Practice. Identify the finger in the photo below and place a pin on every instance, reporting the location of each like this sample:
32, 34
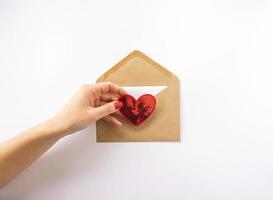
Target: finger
106, 97
97, 102
103, 102
112, 120
106, 109
107, 87
117, 113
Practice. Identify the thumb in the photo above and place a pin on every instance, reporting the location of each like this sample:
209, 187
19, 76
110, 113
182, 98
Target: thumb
106, 109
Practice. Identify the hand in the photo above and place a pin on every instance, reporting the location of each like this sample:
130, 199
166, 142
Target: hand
89, 104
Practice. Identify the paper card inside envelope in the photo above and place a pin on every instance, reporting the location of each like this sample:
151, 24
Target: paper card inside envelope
139, 75
137, 91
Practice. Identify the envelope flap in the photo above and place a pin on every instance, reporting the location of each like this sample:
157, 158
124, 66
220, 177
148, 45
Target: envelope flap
138, 70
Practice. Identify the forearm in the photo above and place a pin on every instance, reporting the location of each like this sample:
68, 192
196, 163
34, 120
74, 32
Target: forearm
19, 152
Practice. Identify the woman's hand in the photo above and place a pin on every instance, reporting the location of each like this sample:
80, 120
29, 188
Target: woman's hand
89, 104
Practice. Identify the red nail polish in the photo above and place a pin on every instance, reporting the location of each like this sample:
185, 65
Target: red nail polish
118, 105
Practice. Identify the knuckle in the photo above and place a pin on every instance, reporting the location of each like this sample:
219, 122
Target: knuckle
109, 85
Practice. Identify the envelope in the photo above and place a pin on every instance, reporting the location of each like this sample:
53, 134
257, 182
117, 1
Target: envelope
137, 71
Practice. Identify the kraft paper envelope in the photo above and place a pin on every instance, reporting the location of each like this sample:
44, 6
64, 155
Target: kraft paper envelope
138, 70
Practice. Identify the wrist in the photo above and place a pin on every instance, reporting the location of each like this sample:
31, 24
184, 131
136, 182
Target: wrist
54, 127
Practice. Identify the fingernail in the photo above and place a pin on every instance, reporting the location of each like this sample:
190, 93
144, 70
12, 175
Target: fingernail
119, 124
118, 105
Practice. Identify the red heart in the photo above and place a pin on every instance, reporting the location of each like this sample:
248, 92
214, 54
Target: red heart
137, 111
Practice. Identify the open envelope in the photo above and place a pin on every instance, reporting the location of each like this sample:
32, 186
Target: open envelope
136, 72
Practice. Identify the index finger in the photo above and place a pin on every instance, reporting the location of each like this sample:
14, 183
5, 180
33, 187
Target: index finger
107, 87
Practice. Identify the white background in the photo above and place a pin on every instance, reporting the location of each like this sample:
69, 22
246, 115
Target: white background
222, 52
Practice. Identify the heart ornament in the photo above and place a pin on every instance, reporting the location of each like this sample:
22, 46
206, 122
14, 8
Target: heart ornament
137, 111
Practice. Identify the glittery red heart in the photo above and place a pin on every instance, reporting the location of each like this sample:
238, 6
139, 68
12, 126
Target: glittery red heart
137, 111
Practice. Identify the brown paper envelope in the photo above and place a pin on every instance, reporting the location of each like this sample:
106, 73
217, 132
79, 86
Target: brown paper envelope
164, 124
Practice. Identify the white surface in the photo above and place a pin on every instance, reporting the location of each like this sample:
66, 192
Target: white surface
221, 50
137, 91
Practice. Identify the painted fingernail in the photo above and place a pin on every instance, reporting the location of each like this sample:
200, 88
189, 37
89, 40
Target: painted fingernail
119, 124
118, 105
